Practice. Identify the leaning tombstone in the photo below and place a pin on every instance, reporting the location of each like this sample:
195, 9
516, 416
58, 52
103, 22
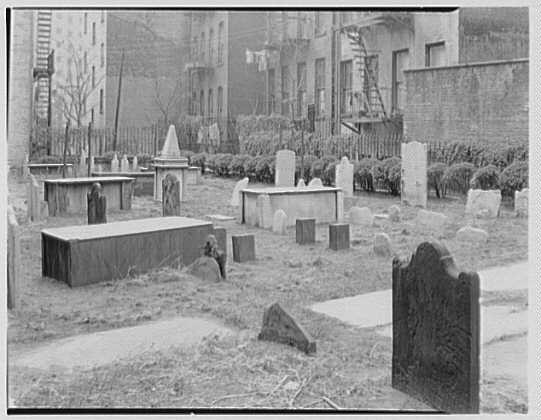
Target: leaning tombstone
13, 258
436, 331
239, 186
413, 177
97, 205
344, 176
170, 196
285, 169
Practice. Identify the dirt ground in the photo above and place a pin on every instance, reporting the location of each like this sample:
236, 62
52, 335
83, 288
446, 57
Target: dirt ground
352, 366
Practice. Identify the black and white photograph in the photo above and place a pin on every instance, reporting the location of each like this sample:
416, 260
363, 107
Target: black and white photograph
318, 209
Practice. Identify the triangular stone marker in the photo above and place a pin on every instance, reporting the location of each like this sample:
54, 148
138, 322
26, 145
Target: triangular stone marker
170, 148
281, 327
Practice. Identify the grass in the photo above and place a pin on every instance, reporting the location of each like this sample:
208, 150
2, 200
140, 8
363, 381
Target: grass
351, 367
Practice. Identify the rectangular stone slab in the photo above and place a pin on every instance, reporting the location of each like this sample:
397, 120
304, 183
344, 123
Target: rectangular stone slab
68, 195
305, 231
143, 184
321, 203
80, 255
243, 247
338, 236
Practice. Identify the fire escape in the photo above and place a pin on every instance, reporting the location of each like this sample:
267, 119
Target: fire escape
43, 39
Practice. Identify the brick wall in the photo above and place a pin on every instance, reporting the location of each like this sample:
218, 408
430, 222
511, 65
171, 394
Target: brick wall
484, 102
20, 86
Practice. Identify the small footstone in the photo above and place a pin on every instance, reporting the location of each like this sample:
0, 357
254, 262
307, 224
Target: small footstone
338, 236
205, 268
281, 327
315, 182
361, 216
243, 247
305, 231
279, 222
382, 245
394, 213
301, 183
471, 234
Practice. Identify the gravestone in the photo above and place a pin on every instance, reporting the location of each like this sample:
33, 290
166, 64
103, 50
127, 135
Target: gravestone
483, 203
382, 245
124, 164
338, 236
344, 176
279, 222
264, 211
243, 247
33, 202
414, 174
239, 186
471, 234
281, 327
315, 183
432, 220
96, 205
285, 169
221, 236
361, 216
114, 164
394, 213
13, 258
305, 231
436, 330
301, 183
171, 196
135, 164
205, 268
521, 202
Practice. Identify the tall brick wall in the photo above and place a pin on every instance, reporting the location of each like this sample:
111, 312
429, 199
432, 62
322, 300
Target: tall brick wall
484, 103
20, 86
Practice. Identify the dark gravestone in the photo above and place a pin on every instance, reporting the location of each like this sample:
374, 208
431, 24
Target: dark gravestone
305, 231
281, 327
171, 196
96, 205
205, 268
436, 332
243, 247
221, 236
338, 236
212, 249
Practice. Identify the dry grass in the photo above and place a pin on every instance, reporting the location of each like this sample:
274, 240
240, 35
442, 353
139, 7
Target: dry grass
351, 367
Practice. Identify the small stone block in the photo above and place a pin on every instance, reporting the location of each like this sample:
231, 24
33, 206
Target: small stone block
305, 231
243, 247
338, 236
221, 236
281, 327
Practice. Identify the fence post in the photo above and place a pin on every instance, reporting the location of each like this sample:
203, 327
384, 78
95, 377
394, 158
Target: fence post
89, 147
66, 137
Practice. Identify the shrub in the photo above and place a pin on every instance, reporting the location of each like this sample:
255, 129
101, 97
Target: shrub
48, 159
249, 167
199, 159
308, 162
222, 164
264, 168
236, 167
435, 174
514, 178
188, 154
362, 173
457, 177
317, 168
486, 178
211, 161
392, 167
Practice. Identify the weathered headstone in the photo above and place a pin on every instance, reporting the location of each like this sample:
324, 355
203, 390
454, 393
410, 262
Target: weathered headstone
394, 213
13, 258
315, 183
382, 245
205, 268
239, 186
305, 231
281, 327
96, 205
114, 164
285, 169
414, 174
301, 183
483, 203
264, 211
361, 216
33, 202
338, 236
521, 202
243, 247
135, 164
279, 222
436, 331
171, 196
471, 234
124, 164
432, 220
344, 176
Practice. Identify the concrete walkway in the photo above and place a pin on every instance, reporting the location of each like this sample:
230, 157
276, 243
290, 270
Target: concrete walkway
95, 349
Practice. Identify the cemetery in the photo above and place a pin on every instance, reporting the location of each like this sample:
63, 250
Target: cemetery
275, 286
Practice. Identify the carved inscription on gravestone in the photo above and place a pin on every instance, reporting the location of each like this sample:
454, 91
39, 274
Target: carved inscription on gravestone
414, 176
170, 196
285, 169
436, 330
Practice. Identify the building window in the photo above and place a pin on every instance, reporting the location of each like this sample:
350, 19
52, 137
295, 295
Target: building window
93, 33
435, 54
211, 46
346, 87
318, 24
101, 101
221, 43
85, 24
400, 63
93, 77
320, 86
301, 88
210, 101
202, 47
369, 88
102, 55
202, 102
220, 100
272, 94
85, 62
285, 90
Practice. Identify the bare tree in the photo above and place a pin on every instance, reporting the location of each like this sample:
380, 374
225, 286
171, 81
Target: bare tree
167, 99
